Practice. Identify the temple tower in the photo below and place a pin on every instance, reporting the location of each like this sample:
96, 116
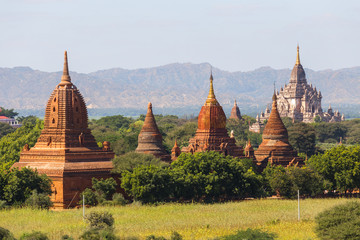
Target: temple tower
175, 151
235, 112
275, 147
150, 139
249, 150
66, 150
211, 134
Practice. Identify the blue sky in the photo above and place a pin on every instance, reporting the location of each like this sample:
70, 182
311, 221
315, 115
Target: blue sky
231, 35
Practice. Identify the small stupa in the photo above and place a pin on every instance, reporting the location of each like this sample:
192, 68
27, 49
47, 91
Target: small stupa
66, 150
175, 151
275, 147
235, 112
150, 139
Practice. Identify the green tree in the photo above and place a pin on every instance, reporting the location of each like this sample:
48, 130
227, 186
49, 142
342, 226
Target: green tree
302, 138
130, 160
287, 181
148, 183
340, 166
104, 187
5, 129
10, 113
19, 185
12, 144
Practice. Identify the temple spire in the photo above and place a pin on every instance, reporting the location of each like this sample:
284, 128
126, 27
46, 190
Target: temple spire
211, 99
235, 103
298, 56
65, 78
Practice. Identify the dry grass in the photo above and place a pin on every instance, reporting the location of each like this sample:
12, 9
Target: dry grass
193, 221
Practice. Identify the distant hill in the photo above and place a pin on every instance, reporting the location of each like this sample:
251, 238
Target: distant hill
172, 86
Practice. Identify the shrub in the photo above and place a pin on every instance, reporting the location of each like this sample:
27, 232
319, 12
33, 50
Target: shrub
131, 160
89, 196
66, 237
104, 187
34, 236
100, 220
38, 200
6, 234
250, 234
94, 234
3, 204
20, 184
118, 199
339, 222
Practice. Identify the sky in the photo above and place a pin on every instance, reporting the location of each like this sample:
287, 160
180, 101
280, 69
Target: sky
232, 35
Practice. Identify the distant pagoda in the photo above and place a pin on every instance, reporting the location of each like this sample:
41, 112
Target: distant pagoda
66, 150
300, 100
235, 112
275, 147
211, 134
150, 139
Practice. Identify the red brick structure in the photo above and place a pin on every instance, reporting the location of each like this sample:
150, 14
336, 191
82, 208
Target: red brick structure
235, 112
66, 150
275, 147
211, 134
249, 150
175, 151
150, 139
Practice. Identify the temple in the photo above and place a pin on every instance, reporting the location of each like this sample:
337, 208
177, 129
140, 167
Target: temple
66, 150
235, 112
211, 134
150, 139
175, 151
275, 147
301, 101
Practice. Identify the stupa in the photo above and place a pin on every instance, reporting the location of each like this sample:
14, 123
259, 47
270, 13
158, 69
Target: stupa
150, 139
275, 147
249, 150
235, 112
66, 150
175, 151
211, 134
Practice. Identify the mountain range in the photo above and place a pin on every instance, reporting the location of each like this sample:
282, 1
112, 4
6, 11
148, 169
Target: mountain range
175, 85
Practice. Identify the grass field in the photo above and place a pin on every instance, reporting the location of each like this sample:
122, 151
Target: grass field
193, 221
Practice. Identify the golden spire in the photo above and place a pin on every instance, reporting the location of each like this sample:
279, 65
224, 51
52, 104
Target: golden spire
211, 99
65, 78
175, 145
298, 56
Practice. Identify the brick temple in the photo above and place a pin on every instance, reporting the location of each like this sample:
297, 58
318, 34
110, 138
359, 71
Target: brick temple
66, 150
211, 134
275, 147
150, 139
235, 112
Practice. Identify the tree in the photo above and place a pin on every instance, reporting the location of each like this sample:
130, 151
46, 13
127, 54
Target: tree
287, 181
104, 187
18, 185
12, 144
340, 166
130, 160
5, 129
302, 138
329, 132
10, 113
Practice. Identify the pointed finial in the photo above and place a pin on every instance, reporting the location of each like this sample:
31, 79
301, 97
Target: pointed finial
149, 106
211, 99
298, 56
65, 78
175, 145
235, 103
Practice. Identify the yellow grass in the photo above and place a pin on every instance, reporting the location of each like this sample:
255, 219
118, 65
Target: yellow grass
192, 221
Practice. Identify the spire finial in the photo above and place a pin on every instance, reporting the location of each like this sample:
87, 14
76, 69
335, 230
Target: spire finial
65, 78
211, 99
150, 106
235, 103
298, 56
